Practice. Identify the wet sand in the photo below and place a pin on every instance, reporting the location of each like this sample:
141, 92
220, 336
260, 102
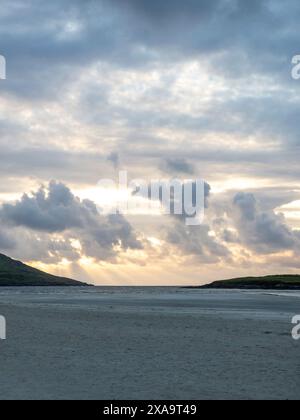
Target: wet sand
148, 343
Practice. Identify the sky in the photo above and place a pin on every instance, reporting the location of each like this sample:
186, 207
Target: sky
174, 89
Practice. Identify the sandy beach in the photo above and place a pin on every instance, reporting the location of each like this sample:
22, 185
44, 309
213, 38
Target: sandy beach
148, 343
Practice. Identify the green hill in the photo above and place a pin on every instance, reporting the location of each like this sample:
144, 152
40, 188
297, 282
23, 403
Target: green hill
280, 282
15, 273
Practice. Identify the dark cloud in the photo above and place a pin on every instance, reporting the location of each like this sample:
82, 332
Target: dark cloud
265, 232
56, 210
169, 10
114, 158
178, 166
230, 236
246, 204
197, 242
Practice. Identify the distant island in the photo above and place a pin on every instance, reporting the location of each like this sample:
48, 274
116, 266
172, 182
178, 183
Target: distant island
279, 282
15, 273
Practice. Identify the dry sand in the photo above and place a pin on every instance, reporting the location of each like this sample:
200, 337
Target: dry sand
148, 343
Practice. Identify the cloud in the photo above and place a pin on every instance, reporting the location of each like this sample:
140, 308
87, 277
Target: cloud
247, 205
52, 210
263, 231
191, 87
7, 242
49, 40
197, 242
56, 218
114, 158
121, 59
178, 166
169, 10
